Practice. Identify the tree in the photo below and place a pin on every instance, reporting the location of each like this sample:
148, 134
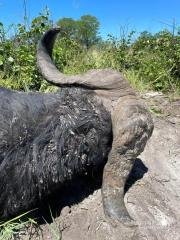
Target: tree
88, 27
68, 26
84, 30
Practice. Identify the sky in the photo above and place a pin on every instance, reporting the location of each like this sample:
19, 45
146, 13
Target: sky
113, 15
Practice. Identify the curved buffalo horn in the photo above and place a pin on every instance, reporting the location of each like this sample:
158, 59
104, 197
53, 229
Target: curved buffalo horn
106, 79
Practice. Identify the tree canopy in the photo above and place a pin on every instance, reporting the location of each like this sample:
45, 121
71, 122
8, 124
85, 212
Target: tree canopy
84, 30
68, 26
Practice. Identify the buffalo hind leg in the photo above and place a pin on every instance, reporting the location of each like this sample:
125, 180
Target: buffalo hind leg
132, 126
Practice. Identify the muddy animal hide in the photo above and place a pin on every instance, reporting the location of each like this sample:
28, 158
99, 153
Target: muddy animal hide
46, 140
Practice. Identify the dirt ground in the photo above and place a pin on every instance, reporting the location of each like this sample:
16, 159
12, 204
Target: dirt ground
152, 192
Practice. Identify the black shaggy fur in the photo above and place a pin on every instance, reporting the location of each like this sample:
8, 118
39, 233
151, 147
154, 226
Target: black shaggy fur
46, 140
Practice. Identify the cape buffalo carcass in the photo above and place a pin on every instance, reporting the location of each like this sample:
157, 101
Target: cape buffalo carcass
47, 139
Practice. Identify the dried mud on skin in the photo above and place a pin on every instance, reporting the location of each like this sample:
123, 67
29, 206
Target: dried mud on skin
152, 192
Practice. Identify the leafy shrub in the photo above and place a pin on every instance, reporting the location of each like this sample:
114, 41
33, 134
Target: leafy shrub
158, 59
153, 60
18, 54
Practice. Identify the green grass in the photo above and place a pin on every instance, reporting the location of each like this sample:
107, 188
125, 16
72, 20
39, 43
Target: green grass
54, 230
136, 81
23, 225
11, 228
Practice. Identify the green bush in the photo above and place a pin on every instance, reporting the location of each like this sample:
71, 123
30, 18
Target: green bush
153, 60
157, 58
18, 55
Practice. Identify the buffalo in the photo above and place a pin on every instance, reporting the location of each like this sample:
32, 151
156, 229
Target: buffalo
47, 139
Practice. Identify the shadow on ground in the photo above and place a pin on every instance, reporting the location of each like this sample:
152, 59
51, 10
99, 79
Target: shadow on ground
74, 192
